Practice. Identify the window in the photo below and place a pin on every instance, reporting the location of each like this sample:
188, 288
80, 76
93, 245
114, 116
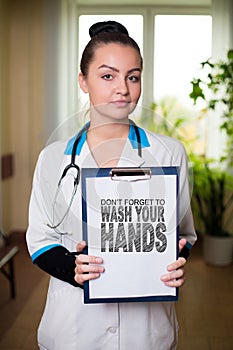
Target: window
173, 47
180, 44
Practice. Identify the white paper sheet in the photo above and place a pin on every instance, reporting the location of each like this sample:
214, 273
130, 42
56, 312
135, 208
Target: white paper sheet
132, 226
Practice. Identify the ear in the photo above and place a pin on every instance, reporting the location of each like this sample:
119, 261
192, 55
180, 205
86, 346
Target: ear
83, 83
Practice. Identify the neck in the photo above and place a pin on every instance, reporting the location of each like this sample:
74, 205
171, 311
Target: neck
106, 141
109, 130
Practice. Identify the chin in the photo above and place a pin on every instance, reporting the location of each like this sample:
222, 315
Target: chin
112, 112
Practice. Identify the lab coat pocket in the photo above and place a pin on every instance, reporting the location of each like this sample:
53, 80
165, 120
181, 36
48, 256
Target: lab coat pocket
58, 327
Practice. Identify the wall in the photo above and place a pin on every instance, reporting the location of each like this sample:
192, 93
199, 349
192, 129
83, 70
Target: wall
5, 144
37, 56
22, 97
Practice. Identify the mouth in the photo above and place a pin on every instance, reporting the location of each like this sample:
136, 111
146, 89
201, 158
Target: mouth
121, 103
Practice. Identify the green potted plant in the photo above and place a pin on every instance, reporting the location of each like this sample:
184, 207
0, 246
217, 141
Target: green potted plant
212, 198
213, 185
216, 89
212, 203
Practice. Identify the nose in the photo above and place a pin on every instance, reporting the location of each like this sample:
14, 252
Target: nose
122, 87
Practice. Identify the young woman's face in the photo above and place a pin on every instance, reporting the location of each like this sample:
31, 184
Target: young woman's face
113, 81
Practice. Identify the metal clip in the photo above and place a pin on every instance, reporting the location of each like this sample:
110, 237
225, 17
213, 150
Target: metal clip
130, 174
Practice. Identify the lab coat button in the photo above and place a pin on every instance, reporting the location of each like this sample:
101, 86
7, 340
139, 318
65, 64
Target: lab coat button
112, 330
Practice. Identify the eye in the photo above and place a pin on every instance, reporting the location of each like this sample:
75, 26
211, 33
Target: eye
134, 78
107, 76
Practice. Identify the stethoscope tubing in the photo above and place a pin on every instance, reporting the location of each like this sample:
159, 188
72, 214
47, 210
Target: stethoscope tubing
73, 165
75, 146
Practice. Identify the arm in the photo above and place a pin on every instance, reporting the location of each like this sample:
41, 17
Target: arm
44, 244
57, 263
175, 275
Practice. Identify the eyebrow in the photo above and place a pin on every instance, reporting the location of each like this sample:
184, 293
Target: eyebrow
117, 70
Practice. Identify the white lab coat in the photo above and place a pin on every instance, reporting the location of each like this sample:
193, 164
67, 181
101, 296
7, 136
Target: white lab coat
68, 323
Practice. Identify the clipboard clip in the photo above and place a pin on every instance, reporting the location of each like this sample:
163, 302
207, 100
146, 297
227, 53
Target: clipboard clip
130, 174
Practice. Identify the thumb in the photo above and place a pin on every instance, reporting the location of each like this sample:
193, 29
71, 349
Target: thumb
182, 243
80, 246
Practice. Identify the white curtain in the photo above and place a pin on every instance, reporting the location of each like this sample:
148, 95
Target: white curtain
61, 68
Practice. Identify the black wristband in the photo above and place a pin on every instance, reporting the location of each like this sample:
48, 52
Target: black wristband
58, 264
185, 252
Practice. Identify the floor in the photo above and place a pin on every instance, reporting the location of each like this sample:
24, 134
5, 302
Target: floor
204, 309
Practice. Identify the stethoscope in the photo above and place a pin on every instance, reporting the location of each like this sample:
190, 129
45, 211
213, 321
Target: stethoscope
74, 166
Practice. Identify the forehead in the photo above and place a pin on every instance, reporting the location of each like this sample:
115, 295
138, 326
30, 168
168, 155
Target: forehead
118, 54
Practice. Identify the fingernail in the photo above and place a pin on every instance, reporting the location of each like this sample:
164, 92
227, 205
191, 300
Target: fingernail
98, 260
163, 278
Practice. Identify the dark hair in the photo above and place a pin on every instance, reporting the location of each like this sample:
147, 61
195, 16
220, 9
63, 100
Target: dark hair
103, 33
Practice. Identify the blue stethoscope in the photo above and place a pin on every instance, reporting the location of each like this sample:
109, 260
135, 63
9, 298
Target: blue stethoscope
74, 166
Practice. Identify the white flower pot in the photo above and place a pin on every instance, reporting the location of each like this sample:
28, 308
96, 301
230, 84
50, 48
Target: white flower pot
218, 251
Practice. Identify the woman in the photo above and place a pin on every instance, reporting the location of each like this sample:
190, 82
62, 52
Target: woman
111, 68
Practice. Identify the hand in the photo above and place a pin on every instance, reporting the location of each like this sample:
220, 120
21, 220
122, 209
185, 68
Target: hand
175, 277
87, 266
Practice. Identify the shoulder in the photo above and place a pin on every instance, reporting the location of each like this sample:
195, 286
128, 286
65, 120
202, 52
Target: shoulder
50, 159
57, 146
158, 141
53, 151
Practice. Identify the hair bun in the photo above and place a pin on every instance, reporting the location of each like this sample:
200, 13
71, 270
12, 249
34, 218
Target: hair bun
107, 27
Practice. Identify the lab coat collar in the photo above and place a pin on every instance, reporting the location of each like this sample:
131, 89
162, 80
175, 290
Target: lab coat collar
129, 156
83, 136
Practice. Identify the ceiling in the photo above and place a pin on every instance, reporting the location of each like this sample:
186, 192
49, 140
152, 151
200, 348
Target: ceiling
146, 2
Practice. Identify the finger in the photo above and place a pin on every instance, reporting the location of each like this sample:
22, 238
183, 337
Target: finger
173, 275
182, 243
80, 246
175, 283
177, 264
81, 278
80, 269
88, 259
87, 272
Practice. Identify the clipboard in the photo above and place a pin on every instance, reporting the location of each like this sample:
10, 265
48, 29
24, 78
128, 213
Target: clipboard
130, 219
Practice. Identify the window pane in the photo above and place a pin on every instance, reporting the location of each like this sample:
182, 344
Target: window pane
181, 43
